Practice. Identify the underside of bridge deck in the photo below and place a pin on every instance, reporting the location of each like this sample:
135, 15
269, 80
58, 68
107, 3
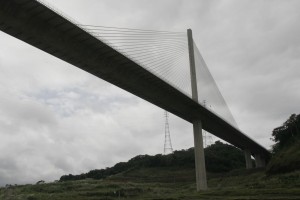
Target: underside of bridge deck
39, 26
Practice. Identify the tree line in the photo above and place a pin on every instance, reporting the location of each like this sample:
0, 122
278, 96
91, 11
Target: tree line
219, 157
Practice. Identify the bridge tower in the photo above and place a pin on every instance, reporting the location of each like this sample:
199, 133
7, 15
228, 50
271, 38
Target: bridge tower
197, 123
168, 144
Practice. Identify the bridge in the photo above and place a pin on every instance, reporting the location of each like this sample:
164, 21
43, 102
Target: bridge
36, 24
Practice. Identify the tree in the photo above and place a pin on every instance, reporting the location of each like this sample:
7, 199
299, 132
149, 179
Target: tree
285, 134
219, 158
40, 182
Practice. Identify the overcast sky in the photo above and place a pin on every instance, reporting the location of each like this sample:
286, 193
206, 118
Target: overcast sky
56, 119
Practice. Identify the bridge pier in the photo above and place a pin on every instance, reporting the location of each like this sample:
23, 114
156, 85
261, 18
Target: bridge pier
199, 156
248, 159
197, 124
259, 161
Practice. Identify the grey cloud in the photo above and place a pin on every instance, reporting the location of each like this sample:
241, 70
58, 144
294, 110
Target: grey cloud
56, 119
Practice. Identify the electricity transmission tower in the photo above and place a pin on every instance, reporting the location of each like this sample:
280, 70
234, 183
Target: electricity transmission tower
168, 144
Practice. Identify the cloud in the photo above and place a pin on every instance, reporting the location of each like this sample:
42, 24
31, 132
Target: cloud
56, 119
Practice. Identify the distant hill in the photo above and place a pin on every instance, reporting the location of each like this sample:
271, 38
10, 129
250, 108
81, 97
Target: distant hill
219, 157
286, 150
172, 176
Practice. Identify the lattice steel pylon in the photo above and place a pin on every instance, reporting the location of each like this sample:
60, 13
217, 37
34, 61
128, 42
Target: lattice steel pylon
168, 144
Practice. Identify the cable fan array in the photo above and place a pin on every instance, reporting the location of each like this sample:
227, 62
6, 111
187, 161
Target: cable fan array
163, 53
208, 91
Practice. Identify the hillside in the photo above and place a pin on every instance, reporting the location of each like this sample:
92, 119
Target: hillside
286, 150
164, 184
286, 160
172, 177
219, 158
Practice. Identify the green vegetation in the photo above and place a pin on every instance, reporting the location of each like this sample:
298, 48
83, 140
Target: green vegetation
286, 150
172, 177
164, 184
286, 134
219, 157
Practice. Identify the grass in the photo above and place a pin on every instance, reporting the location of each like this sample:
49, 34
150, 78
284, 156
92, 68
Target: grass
164, 184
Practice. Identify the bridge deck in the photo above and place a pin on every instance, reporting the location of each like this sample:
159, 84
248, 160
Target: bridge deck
39, 26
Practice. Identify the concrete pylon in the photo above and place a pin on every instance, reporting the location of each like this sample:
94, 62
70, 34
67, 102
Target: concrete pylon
199, 156
259, 161
248, 159
197, 124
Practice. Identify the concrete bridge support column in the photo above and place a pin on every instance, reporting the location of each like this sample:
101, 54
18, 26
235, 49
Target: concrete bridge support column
248, 159
197, 124
259, 161
199, 156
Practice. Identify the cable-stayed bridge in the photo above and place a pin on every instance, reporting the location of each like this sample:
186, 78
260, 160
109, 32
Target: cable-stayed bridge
162, 67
